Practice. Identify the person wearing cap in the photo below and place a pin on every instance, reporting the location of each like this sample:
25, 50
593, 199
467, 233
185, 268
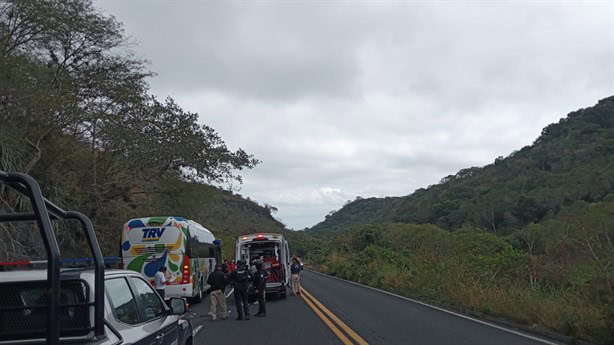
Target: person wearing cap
260, 284
240, 278
295, 270
217, 280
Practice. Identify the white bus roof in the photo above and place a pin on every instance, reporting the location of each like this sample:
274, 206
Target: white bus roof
203, 234
154, 221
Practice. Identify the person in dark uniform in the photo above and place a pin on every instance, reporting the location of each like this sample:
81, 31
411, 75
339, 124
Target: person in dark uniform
240, 278
260, 284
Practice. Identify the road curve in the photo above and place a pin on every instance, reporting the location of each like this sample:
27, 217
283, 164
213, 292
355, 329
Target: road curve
373, 316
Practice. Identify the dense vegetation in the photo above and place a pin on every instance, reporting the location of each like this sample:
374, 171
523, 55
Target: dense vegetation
529, 238
76, 114
571, 160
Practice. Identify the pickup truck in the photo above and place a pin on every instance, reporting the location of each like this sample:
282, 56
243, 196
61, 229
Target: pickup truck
133, 313
83, 305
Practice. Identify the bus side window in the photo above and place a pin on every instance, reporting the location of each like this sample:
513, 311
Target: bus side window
188, 247
203, 250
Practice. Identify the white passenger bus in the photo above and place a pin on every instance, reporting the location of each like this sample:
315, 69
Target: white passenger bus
186, 248
273, 250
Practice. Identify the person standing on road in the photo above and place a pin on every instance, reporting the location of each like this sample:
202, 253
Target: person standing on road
260, 284
231, 266
160, 281
240, 278
255, 261
295, 270
225, 267
217, 280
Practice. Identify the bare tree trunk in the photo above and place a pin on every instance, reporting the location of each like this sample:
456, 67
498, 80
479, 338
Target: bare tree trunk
600, 262
94, 147
533, 260
38, 154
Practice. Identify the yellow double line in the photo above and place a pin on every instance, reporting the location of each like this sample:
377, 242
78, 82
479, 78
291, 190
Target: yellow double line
320, 310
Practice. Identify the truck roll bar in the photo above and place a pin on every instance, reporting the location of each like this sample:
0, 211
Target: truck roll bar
44, 211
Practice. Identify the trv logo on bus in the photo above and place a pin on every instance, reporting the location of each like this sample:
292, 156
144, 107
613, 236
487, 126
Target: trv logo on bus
152, 234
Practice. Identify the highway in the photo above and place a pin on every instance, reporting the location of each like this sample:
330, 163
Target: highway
347, 313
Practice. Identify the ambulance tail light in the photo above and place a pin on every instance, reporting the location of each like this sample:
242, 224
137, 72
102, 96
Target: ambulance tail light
260, 237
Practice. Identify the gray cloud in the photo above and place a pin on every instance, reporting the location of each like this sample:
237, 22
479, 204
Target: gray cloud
249, 50
371, 99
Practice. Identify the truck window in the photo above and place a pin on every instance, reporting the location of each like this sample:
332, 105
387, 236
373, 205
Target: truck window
150, 302
24, 306
124, 306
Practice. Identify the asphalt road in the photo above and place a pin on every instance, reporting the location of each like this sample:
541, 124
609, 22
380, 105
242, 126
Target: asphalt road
376, 318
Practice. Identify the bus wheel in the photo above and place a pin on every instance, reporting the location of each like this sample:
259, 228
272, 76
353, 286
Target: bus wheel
199, 297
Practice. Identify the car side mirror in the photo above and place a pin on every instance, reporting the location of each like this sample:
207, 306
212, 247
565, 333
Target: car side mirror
178, 306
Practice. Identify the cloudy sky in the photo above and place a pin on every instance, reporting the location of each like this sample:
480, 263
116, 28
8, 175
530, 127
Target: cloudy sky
366, 98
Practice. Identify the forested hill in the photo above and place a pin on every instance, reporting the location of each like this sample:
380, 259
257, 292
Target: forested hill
227, 214
359, 211
571, 160
531, 241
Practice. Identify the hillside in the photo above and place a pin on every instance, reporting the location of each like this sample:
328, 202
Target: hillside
215, 208
527, 238
227, 214
359, 211
571, 160
111, 203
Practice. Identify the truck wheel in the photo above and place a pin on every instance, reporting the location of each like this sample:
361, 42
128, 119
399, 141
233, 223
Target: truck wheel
282, 295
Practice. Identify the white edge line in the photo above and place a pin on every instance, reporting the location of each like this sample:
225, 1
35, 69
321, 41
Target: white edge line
230, 293
197, 330
444, 310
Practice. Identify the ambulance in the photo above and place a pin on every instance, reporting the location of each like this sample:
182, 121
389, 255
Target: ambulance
272, 249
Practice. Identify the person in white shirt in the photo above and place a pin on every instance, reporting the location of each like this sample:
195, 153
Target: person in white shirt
160, 281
